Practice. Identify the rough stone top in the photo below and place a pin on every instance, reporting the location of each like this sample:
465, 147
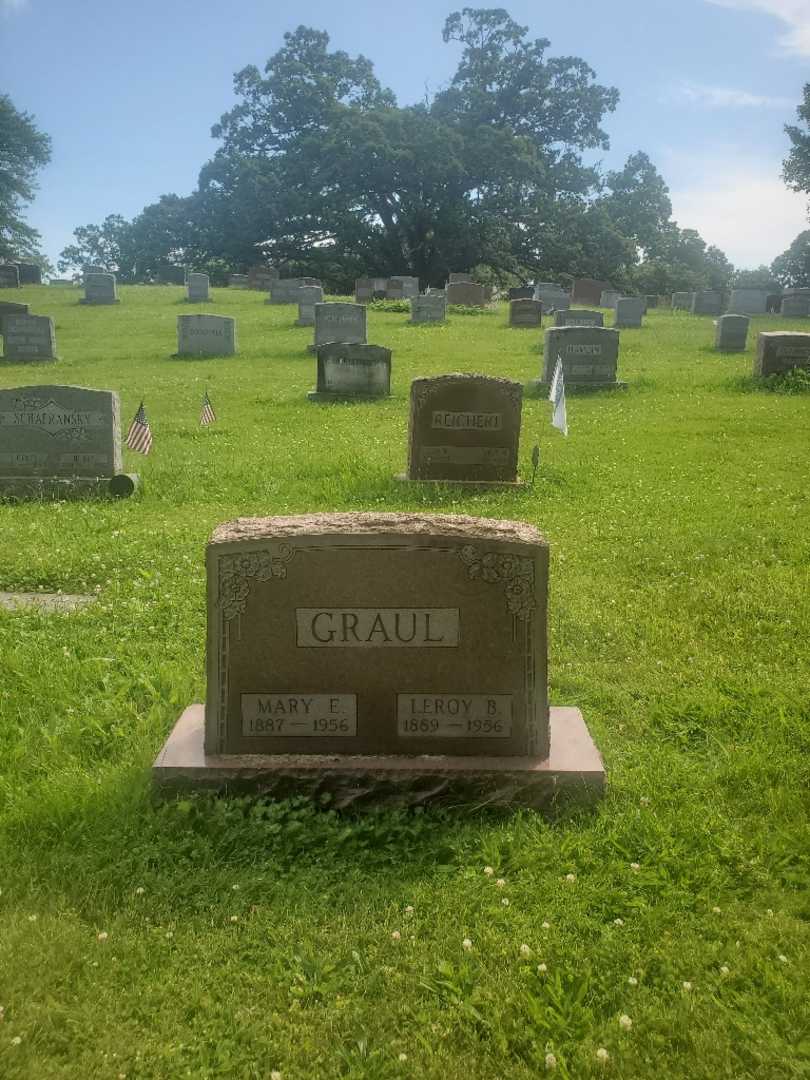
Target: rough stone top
42, 389
457, 526
772, 334
467, 376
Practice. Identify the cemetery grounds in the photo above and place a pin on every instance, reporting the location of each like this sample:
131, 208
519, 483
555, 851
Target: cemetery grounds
233, 938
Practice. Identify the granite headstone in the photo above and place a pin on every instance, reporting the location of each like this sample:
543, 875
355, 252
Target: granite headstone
308, 297
206, 335
28, 337
431, 308
198, 288
525, 313
348, 372
780, 351
590, 356
731, 333
99, 289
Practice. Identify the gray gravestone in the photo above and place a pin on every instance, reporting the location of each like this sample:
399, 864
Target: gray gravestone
339, 322
465, 294
578, 317
198, 288
30, 273
707, 302
748, 302
288, 290
9, 276
60, 440
348, 372
8, 308
363, 290
779, 351
99, 289
589, 291
455, 277
525, 313
238, 281
731, 333
609, 297
308, 297
464, 429
796, 303
431, 308
553, 297
402, 287
523, 292
681, 301
590, 356
28, 337
206, 335
629, 312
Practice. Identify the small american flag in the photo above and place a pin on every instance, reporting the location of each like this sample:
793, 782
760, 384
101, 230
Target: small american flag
139, 436
207, 415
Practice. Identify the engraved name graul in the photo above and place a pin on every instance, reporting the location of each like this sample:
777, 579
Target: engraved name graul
427, 628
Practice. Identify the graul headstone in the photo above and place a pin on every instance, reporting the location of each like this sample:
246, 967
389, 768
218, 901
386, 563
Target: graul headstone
431, 308
99, 289
780, 351
363, 290
525, 313
352, 371
682, 301
344, 323
380, 658
707, 302
206, 335
238, 281
464, 429
60, 441
578, 317
731, 333
553, 297
308, 297
796, 303
28, 337
465, 294
589, 291
609, 297
198, 288
9, 276
8, 308
523, 292
629, 311
590, 356
748, 302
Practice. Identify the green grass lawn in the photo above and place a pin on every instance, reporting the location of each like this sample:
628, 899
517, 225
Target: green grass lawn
242, 939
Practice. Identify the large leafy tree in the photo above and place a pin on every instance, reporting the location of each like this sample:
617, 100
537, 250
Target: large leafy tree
108, 245
638, 201
796, 170
24, 150
792, 267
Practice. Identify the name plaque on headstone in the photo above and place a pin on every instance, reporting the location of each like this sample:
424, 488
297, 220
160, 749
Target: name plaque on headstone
578, 317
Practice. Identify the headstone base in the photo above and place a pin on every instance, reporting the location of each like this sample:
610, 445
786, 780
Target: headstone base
54, 488
325, 395
29, 359
573, 771
98, 303
403, 478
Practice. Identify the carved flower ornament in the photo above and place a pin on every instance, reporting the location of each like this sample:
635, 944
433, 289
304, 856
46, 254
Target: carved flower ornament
513, 572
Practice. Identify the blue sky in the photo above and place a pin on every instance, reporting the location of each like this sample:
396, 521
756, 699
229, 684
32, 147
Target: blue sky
128, 93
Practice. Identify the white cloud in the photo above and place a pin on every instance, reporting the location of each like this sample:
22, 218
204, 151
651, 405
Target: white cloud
9, 6
720, 97
794, 14
742, 208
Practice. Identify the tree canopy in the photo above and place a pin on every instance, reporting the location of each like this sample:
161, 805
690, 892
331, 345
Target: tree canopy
24, 150
319, 170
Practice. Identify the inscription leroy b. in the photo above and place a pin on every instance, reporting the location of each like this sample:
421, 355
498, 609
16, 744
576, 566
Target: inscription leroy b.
425, 628
454, 716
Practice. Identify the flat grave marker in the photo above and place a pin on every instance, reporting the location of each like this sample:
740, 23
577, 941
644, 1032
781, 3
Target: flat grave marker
206, 335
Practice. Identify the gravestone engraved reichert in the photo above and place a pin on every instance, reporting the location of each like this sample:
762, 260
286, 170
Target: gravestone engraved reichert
382, 658
431, 308
100, 289
340, 322
578, 317
28, 337
731, 333
206, 335
348, 372
308, 297
780, 351
198, 288
590, 356
60, 441
464, 429
525, 313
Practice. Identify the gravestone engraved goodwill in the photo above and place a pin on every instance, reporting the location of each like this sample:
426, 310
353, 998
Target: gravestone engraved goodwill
431, 308
67, 439
206, 335
380, 658
99, 289
707, 302
590, 355
731, 333
340, 322
352, 371
28, 337
748, 302
198, 288
629, 311
464, 428
525, 313
308, 297
9, 276
465, 294
779, 351
578, 317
